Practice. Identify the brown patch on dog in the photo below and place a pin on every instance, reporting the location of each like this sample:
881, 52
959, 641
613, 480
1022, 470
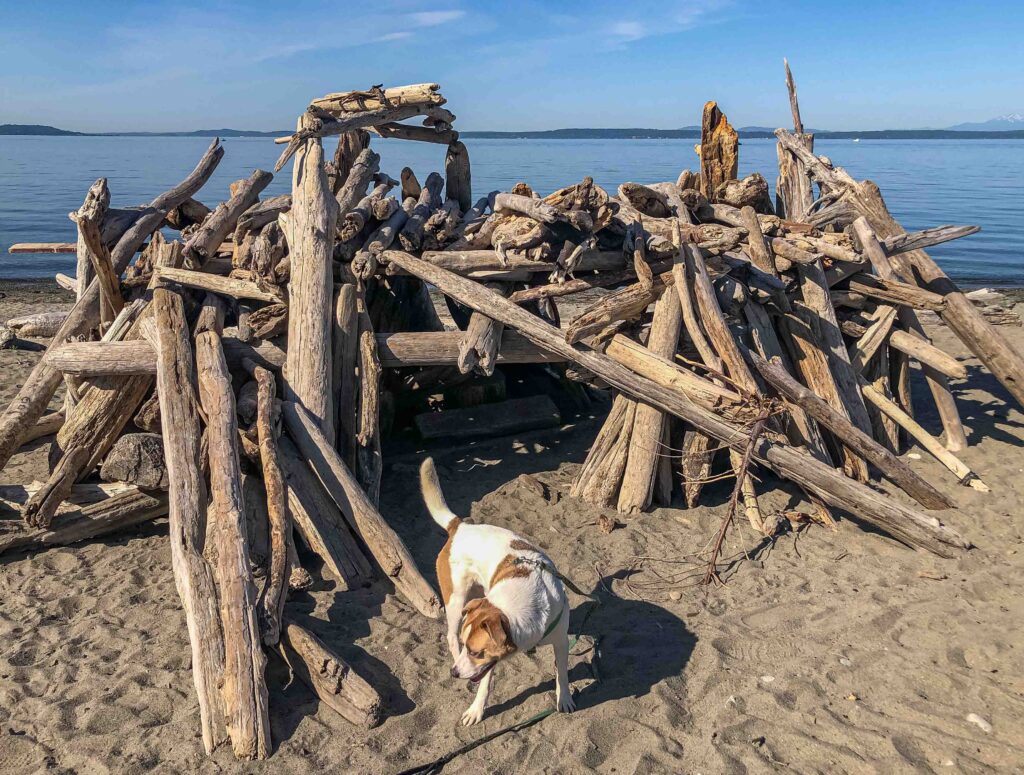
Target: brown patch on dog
508, 568
485, 632
523, 546
443, 565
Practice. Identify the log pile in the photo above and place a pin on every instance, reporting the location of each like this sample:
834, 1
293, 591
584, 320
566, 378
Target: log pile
240, 379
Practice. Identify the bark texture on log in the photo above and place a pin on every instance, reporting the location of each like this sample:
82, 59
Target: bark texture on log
310, 236
387, 548
243, 688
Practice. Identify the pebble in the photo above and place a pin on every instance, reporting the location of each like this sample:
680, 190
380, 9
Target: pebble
913, 456
767, 679
675, 595
979, 722
845, 662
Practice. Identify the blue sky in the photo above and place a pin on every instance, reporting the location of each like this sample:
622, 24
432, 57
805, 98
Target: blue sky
105, 65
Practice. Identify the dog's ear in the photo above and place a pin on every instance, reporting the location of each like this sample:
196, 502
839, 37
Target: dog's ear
472, 605
498, 630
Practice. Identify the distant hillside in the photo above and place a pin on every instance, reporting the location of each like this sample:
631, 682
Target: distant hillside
749, 133
200, 133
43, 130
1013, 129
1013, 121
33, 129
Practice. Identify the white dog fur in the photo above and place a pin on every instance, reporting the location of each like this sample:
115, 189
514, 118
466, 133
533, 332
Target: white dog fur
501, 595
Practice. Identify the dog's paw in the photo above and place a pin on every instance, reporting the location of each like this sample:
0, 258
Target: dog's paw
472, 716
566, 704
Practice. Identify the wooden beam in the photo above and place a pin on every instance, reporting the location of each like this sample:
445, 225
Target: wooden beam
906, 524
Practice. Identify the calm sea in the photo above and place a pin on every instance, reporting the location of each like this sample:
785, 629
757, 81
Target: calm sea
925, 182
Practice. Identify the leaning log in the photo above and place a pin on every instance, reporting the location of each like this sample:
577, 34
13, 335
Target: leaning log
891, 466
387, 548
193, 576
902, 522
39, 387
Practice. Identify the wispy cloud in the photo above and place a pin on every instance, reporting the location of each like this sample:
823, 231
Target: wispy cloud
433, 18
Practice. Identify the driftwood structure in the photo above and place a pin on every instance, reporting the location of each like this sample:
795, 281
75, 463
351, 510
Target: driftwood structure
277, 341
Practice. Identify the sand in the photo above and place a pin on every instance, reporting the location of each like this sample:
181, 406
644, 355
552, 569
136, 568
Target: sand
823, 652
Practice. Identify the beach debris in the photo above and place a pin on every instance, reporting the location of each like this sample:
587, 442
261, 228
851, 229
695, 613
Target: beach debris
979, 722
274, 345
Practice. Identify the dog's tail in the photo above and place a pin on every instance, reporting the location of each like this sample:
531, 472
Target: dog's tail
432, 495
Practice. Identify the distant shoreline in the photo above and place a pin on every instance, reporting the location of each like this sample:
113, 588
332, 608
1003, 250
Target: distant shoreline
687, 133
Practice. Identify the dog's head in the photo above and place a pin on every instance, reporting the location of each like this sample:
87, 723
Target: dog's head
486, 640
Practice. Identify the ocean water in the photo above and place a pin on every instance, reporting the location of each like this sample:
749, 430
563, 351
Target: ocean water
925, 182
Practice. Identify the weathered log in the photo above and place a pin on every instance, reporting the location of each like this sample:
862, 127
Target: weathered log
193, 576
204, 242
891, 466
752, 191
359, 177
933, 445
137, 458
369, 463
315, 123
442, 348
469, 262
93, 253
310, 234
956, 438
423, 134
65, 282
109, 515
637, 488
385, 545
814, 289
225, 286
40, 324
243, 686
410, 185
341, 103
697, 456
927, 354
320, 523
330, 678
275, 591
47, 425
39, 387
458, 181
926, 238
900, 521
793, 191
429, 200
598, 481
719, 150
350, 145
880, 322
966, 321
893, 291
478, 348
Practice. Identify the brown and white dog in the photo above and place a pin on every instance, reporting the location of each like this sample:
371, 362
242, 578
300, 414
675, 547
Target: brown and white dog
501, 595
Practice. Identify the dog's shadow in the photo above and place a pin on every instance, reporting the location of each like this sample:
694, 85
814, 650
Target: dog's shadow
624, 648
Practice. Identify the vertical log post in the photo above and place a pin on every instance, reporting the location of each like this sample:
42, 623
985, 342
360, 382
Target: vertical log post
310, 232
244, 687
193, 576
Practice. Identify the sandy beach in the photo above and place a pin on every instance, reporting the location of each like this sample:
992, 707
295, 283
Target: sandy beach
825, 651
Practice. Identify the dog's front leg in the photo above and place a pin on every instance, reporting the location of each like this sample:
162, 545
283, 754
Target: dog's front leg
475, 712
563, 692
453, 615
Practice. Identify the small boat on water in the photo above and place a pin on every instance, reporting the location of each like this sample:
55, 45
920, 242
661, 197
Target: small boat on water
856, 139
